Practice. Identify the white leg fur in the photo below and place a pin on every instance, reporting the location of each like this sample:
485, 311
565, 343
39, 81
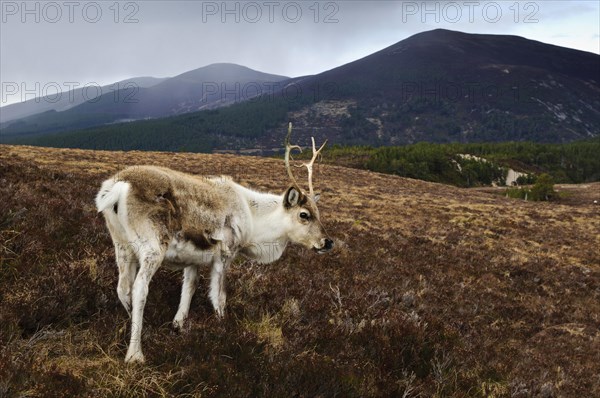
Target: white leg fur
217, 286
150, 257
126, 262
188, 289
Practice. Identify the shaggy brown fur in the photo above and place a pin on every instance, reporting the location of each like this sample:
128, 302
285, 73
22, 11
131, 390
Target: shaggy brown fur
164, 196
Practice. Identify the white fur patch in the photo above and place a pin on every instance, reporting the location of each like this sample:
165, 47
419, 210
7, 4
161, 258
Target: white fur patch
111, 193
182, 253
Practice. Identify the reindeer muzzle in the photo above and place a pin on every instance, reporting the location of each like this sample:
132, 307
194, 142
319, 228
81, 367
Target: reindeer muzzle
326, 247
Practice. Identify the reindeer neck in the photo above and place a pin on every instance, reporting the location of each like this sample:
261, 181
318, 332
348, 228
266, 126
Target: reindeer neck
268, 233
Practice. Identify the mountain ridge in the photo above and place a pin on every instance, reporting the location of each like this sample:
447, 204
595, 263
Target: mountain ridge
202, 88
422, 79
68, 99
436, 86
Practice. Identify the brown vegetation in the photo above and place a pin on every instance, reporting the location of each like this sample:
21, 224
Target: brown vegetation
431, 291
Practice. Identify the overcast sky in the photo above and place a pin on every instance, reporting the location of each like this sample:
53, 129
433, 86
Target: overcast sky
45, 44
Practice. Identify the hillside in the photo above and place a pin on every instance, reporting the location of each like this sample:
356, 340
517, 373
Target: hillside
431, 290
435, 86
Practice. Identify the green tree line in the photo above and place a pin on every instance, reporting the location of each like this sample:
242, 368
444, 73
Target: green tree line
575, 162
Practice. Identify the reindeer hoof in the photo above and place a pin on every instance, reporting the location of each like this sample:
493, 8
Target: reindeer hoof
136, 357
178, 324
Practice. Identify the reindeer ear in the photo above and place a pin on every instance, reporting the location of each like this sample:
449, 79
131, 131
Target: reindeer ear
317, 197
292, 197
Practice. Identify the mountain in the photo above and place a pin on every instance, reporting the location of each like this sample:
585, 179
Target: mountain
437, 86
204, 88
447, 86
69, 99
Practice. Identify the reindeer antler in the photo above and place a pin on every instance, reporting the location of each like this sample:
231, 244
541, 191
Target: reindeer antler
309, 165
288, 149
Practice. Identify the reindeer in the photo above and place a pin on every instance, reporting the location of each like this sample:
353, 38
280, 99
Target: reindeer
158, 216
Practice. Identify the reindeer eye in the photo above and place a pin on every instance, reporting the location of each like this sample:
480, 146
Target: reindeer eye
304, 215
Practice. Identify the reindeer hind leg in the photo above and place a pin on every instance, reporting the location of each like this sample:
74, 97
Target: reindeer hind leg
125, 255
127, 264
217, 293
151, 256
188, 289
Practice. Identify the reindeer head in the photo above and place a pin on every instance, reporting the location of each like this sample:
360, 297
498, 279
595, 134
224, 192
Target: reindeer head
301, 207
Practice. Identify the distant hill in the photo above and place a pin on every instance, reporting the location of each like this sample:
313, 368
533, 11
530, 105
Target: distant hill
436, 86
65, 100
204, 88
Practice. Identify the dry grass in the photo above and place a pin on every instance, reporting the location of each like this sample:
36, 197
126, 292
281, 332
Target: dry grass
431, 291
